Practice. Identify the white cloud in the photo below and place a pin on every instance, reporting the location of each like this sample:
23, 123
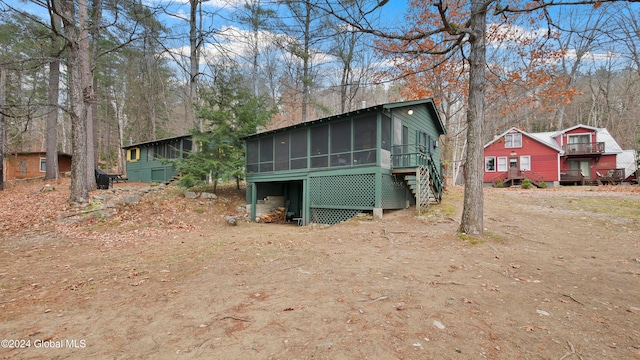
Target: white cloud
503, 36
233, 42
592, 56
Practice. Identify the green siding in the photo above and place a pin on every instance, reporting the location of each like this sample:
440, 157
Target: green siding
145, 170
332, 194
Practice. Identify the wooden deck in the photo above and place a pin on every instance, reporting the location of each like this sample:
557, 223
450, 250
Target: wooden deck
589, 148
603, 176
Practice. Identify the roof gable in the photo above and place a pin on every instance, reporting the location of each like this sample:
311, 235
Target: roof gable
540, 139
563, 131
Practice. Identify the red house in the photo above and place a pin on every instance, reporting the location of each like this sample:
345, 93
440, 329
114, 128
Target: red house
575, 156
29, 165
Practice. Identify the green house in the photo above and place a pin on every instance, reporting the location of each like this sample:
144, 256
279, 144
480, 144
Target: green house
329, 170
144, 159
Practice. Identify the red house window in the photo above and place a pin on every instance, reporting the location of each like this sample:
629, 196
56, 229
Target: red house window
490, 164
513, 140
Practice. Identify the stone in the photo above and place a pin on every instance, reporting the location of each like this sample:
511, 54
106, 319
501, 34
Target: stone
130, 199
190, 195
231, 220
207, 195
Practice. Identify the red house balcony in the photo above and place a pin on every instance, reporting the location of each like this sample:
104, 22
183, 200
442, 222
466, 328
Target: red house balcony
587, 148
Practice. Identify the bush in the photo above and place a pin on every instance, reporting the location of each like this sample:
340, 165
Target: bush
189, 181
499, 183
526, 184
543, 185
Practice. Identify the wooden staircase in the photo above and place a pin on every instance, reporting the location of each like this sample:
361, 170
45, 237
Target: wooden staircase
423, 188
175, 178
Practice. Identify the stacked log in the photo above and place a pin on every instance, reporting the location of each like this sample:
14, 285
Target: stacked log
276, 216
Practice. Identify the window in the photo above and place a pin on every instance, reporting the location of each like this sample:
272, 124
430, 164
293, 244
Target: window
513, 140
422, 141
320, 146
23, 166
525, 163
579, 143
187, 145
341, 137
173, 149
364, 133
133, 154
502, 163
282, 151
579, 139
433, 144
364, 140
252, 155
490, 163
386, 133
299, 149
43, 164
320, 140
266, 154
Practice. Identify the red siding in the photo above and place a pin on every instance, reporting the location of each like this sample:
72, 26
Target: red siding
544, 159
31, 168
562, 140
602, 165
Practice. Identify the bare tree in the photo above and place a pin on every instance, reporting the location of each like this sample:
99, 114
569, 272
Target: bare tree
53, 94
307, 32
258, 19
3, 80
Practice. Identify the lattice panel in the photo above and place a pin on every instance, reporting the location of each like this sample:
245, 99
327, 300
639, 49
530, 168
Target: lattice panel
422, 198
394, 192
353, 191
248, 191
331, 216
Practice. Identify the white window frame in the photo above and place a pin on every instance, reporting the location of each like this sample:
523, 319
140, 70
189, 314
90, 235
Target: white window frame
528, 163
486, 162
43, 164
513, 140
502, 166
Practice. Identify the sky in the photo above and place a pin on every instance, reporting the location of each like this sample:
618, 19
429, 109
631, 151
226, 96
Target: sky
219, 14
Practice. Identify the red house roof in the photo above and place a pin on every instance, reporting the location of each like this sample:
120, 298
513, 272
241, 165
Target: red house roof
532, 136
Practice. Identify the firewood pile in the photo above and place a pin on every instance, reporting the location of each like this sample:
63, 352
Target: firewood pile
276, 216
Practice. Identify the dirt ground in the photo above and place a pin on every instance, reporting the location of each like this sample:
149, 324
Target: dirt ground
557, 276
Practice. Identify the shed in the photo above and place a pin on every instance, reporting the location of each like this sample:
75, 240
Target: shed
33, 164
144, 160
331, 169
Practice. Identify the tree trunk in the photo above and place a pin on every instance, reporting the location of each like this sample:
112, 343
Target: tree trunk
52, 120
77, 111
90, 98
54, 91
194, 63
3, 80
306, 64
472, 213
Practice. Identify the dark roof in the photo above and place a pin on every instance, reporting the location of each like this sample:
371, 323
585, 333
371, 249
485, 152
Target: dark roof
38, 152
155, 142
372, 109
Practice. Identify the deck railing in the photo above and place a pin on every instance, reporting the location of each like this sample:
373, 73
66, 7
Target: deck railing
587, 148
409, 156
572, 175
610, 175
536, 178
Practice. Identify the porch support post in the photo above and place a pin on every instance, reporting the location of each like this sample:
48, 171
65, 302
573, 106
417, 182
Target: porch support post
306, 210
254, 201
377, 207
